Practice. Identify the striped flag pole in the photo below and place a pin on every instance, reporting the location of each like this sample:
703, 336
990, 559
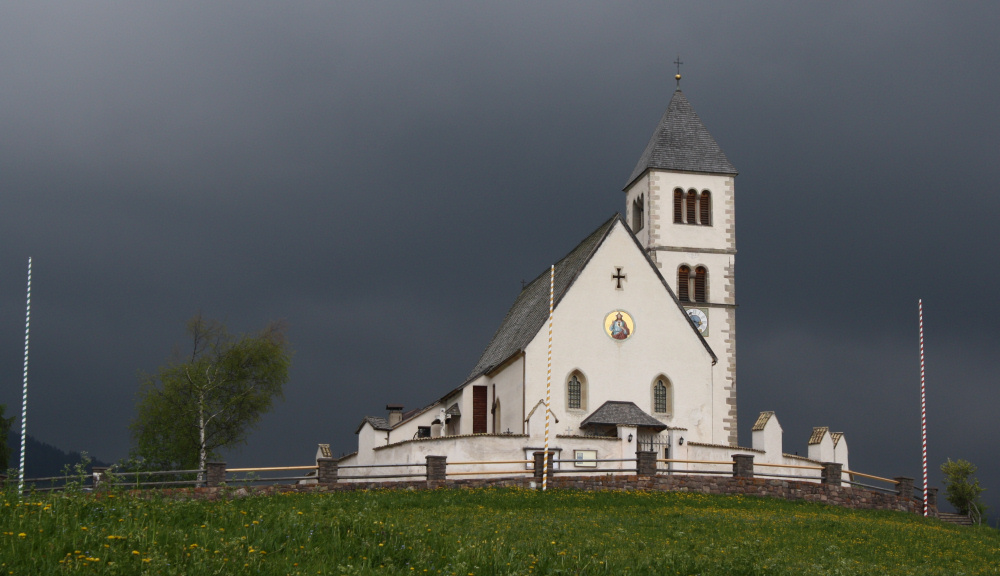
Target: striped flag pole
24, 394
923, 400
548, 381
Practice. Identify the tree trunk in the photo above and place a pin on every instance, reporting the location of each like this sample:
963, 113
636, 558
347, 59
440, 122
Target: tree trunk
202, 456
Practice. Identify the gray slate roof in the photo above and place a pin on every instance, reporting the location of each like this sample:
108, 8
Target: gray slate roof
619, 413
681, 142
377, 422
531, 308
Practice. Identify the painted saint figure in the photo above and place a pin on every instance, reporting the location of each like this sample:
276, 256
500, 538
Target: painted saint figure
619, 331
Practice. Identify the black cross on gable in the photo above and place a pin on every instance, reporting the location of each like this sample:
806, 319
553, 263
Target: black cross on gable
618, 276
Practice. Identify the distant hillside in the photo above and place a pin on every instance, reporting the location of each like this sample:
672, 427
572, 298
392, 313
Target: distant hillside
41, 459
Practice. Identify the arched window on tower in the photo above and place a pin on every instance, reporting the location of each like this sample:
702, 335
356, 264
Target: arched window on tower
705, 208
576, 392
678, 206
701, 284
692, 207
662, 396
684, 284
638, 213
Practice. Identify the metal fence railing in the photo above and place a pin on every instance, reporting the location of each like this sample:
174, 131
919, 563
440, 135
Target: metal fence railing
436, 468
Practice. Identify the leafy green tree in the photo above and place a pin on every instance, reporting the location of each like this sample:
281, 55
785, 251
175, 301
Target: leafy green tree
962, 489
5, 424
212, 397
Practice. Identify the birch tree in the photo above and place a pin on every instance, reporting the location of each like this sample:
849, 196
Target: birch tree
210, 398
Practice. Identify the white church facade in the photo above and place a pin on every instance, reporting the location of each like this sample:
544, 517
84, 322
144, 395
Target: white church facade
643, 345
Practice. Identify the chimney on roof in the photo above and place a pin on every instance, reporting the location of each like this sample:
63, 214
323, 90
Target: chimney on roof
395, 413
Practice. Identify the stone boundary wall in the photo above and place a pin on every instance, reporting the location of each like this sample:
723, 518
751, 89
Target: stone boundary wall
847, 497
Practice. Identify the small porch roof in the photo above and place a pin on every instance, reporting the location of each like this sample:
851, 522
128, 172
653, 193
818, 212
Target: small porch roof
618, 413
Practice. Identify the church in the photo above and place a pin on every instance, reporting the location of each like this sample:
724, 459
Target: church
643, 338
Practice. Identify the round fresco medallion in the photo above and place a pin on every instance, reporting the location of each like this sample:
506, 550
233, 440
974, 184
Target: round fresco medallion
619, 325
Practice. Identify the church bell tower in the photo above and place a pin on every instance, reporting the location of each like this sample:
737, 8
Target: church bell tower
680, 203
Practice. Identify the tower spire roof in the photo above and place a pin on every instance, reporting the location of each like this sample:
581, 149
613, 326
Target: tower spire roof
681, 142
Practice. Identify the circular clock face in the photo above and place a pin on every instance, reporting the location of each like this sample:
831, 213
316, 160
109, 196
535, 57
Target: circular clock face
699, 318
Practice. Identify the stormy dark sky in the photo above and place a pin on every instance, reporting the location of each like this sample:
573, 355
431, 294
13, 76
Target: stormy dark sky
384, 175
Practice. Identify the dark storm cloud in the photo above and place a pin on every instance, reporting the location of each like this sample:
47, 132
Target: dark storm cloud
384, 176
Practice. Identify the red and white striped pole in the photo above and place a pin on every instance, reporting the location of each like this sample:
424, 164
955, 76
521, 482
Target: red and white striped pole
923, 400
548, 382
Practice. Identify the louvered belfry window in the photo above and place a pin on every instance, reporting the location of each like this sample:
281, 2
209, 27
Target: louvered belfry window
574, 392
692, 207
660, 397
700, 284
683, 284
705, 208
678, 206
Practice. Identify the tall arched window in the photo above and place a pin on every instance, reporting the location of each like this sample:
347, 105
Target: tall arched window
662, 396
692, 207
638, 213
701, 284
684, 284
576, 392
705, 208
678, 206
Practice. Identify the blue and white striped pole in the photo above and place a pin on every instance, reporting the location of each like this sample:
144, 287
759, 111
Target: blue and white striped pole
24, 394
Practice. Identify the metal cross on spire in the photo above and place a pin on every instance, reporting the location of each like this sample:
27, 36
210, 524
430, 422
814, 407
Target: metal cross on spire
678, 76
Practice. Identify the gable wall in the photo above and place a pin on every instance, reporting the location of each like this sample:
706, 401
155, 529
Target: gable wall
663, 343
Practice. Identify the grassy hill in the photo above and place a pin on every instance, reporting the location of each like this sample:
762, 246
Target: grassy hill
479, 532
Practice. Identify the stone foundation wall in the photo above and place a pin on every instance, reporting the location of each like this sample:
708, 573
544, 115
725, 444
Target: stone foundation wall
847, 497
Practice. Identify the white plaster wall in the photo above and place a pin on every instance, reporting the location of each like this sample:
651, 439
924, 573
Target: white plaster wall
770, 441
368, 439
822, 452
672, 245
663, 183
663, 342
509, 388
408, 429
840, 453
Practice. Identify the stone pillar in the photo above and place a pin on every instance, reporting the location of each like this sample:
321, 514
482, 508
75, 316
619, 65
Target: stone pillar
645, 463
215, 474
100, 476
326, 470
904, 486
437, 468
832, 472
540, 465
742, 465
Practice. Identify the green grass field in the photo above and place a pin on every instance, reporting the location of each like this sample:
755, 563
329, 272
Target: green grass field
478, 532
